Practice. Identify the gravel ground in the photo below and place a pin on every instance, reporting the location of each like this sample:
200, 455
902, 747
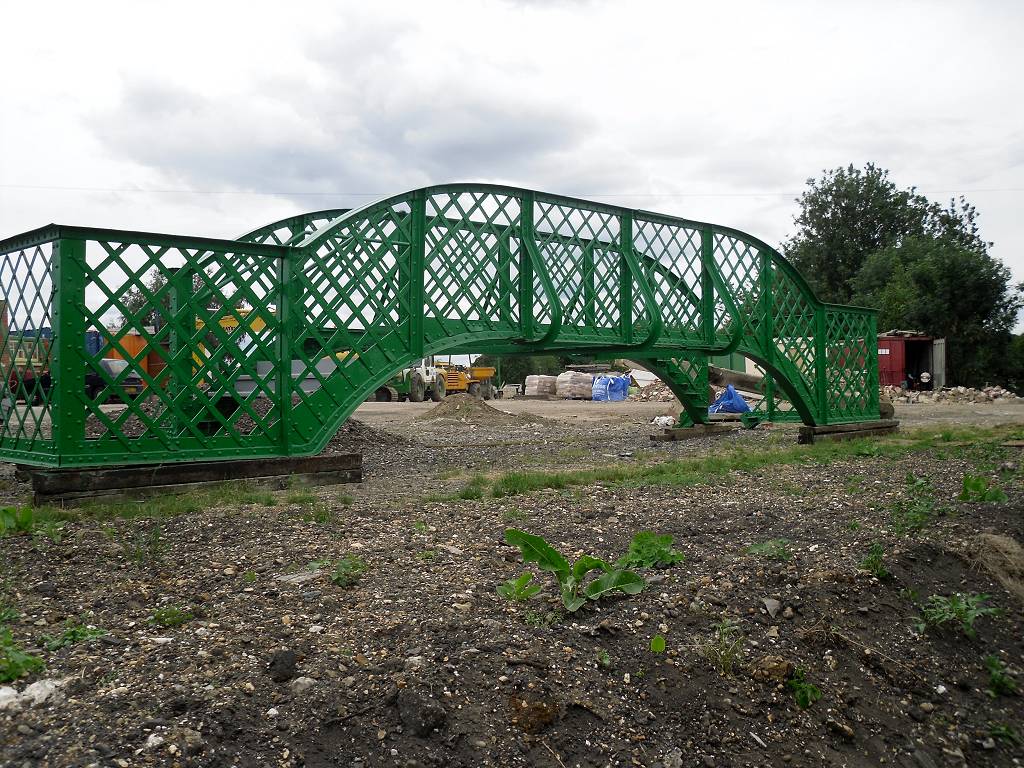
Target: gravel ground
418, 662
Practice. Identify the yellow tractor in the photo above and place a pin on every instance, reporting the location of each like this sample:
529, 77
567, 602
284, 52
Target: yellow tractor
476, 380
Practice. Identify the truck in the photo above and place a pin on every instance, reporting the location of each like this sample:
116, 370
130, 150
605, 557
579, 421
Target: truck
415, 384
475, 380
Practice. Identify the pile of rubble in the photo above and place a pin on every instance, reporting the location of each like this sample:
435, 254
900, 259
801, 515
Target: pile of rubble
658, 392
948, 395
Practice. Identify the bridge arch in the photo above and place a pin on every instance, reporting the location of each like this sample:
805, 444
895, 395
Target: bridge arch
270, 341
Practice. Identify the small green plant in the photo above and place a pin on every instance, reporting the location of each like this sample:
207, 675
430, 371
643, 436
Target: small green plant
170, 616
724, 649
977, 488
999, 682
520, 590
16, 520
420, 526
249, 577
776, 549
958, 608
427, 555
300, 498
8, 614
514, 515
804, 693
50, 529
14, 662
873, 563
604, 660
72, 634
916, 508
853, 525
571, 577
658, 644
1005, 733
649, 550
145, 546
548, 619
348, 570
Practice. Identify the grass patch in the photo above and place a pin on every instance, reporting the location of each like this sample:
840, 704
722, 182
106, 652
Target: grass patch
958, 608
704, 469
348, 570
300, 498
724, 649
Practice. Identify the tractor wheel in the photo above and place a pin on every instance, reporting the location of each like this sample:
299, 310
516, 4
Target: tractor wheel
488, 390
417, 389
382, 395
438, 391
474, 389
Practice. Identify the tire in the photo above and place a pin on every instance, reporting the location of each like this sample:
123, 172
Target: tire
474, 389
488, 390
92, 392
439, 390
382, 395
417, 389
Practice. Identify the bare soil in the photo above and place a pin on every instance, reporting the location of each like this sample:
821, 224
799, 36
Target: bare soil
421, 663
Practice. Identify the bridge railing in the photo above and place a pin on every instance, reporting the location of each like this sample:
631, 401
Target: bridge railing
261, 346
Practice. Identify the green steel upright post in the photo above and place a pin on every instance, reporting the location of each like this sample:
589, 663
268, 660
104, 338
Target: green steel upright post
286, 287
526, 232
417, 248
505, 278
625, 277
820, 364
707, 285
66, 413
767, 329
589, 298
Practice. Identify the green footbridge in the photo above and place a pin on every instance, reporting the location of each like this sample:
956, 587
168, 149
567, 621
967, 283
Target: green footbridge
262, 346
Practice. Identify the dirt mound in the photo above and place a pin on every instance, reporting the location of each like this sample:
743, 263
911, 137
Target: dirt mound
468, 410
354, 435
1003, 557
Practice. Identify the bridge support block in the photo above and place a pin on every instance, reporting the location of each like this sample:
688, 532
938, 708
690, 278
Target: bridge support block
850, 431
697, 430
72, 487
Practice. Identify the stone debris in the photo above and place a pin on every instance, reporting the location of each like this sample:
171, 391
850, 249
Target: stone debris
901, 396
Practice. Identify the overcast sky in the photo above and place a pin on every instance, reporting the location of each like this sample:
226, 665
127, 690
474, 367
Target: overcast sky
212, 118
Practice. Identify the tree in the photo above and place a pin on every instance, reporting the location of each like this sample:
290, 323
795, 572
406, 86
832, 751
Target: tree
949, 292
135, 300
851, 213
925, 267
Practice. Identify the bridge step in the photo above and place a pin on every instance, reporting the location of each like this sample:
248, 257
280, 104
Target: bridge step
850, 431
71, 487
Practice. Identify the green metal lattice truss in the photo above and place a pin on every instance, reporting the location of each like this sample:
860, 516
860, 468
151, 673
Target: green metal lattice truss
263, 345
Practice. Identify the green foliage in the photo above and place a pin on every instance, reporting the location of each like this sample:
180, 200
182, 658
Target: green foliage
520, 590
1005, 733
804, 693
862, 240
169, 616
658, 644
542, 620
958, 608
976, 488
427, 555
571, 577
916, 508
146, 546
347, 571
301, 498
72, 634
16, 520
474, 489
14, 662
8, 614
724, 649
50, 529
999, 682
604, 660
648, 550
249, 577
420, 526
776, 549
873, 563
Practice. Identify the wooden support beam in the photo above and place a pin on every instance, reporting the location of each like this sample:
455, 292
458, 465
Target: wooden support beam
74, 486
697, 430
850, 431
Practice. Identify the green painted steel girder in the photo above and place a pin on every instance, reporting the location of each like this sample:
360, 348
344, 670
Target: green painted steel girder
262, 346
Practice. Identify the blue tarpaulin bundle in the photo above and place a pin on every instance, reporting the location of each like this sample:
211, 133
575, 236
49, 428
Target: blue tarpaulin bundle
729, 401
